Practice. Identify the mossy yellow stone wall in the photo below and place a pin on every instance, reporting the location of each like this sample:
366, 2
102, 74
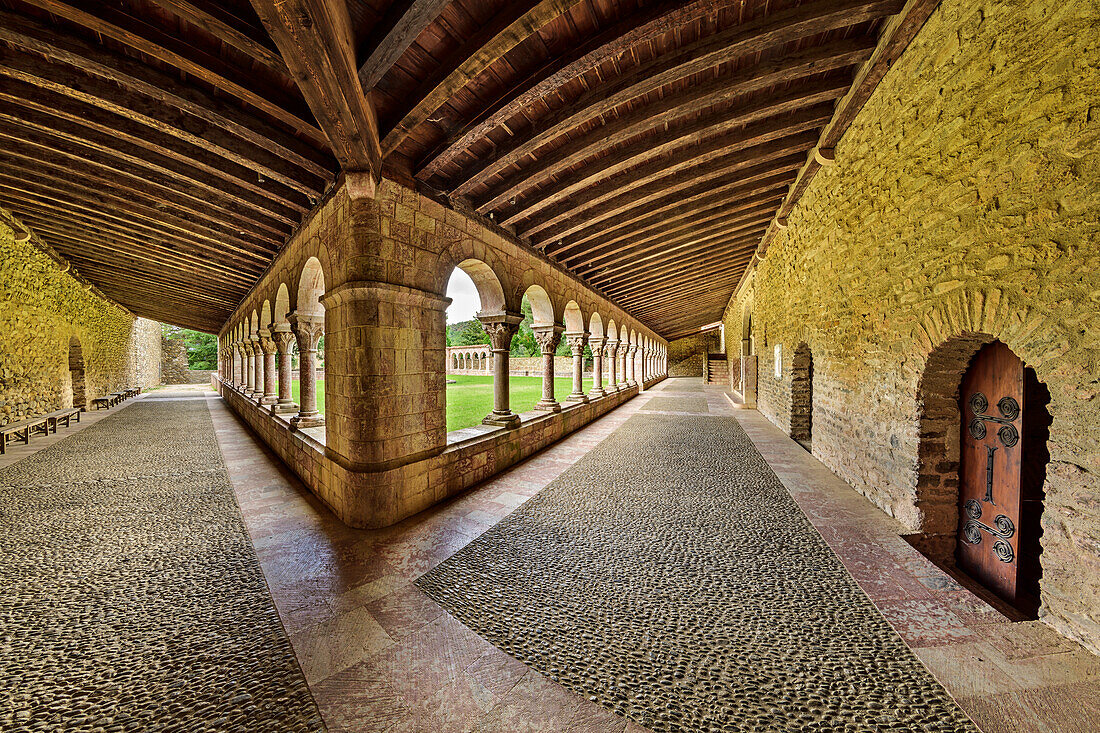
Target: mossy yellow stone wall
965, 199
41, 309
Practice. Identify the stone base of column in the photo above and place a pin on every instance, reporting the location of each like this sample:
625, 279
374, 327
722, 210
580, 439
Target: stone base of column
269, 400
508, 420
548, 406
595, 394
577, 397
283, 408
300, 422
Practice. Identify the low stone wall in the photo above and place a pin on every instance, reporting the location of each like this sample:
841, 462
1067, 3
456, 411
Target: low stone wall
381, 498
62, 341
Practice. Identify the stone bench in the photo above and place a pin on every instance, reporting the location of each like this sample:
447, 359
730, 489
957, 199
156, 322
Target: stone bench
23, 430
101, 402
64, 415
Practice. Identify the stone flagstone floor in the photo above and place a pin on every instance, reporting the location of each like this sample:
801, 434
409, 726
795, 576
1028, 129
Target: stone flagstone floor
380, 656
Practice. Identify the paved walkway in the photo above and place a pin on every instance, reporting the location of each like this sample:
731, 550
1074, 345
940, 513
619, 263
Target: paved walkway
381, 656
132, 599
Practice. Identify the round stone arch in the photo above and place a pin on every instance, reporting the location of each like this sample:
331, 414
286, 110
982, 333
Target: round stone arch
265, 317
282, 305
310, 290
253, 324
595, 326
612, 330
624, 334
543, 312
489, 274
573, 317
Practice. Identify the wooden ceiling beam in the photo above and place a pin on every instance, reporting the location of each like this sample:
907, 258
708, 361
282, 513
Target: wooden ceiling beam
686, 219
704, 241
225, 33
127, 213
203, 115
793, 109
32, 126
511, 26
641, 27
316, 40
95, 220
61, 157
636, 251
80, 241
403, 22
667, 307
762, 141
730, 248
780, 157
130, 31
748, 39
698, 199
77, 118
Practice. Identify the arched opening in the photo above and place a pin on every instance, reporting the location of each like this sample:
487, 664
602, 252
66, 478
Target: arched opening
474, 290
76, 374
802, 395
982, 464
308, 325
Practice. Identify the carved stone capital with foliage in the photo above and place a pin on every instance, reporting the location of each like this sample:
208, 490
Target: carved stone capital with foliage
576, 342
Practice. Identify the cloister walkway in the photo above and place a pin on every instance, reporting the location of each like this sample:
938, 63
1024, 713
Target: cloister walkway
379, 654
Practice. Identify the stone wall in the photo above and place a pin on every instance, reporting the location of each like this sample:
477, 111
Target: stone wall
963, 207
174, 369
44, 311
685, 356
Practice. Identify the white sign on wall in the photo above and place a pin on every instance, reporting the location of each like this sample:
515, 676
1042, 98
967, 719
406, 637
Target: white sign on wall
779, 361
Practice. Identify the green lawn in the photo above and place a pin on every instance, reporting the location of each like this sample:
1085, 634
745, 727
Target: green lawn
471, 398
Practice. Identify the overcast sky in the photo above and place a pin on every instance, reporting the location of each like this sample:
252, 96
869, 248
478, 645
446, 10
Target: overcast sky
465, 302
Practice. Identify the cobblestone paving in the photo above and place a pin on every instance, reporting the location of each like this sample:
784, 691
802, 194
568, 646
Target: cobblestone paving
132, 598
674, 403
670, 577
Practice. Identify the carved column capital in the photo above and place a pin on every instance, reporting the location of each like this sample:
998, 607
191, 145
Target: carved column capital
307, 329
281, 336
267, 344
548, 338
501, 328
597, 343
612, 348
576, 342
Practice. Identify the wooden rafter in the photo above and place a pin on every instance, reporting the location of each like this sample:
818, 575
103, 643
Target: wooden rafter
226, 33
512, 26
751, 38
316, 41
392, 36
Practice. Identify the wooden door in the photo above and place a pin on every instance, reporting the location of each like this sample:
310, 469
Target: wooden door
992, 406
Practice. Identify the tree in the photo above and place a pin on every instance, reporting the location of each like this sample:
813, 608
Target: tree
202, 348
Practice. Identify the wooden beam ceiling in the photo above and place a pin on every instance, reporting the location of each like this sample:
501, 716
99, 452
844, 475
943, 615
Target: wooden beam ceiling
178, 143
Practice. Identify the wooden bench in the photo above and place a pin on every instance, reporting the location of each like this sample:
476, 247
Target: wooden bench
101, 402
64, 415
23, 430
133, 391
116, 397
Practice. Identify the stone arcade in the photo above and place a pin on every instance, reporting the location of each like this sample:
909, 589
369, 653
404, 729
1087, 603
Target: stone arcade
823, 277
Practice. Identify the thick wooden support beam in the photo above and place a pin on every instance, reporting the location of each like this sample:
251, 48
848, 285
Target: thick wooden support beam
753, 37
390, 38
513, 25
317, 43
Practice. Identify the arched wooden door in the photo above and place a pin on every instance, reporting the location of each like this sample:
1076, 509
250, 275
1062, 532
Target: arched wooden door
998, 517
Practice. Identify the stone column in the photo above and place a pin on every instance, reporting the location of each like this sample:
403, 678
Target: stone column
632, 365
258, 369
576, 345
597, 346
623, 349
501, 328
249, 368
235, 380
548, 338
308, 331
612, 352
267, 348
283, 339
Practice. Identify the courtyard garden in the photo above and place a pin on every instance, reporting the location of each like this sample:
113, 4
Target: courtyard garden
471, 397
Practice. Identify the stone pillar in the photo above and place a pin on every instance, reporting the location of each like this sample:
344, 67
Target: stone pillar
258, 369
308, 331
576, 345
267, 348
632, 365
597, 345
283, 339
501, 328
612, 352
548, 338
249, 367
238, 356
624, 347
